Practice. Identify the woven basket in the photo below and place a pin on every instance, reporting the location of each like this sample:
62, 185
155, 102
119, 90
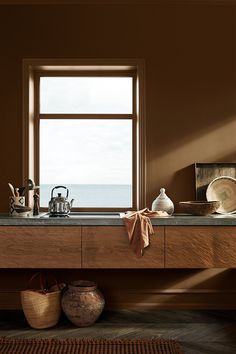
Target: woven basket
42, 308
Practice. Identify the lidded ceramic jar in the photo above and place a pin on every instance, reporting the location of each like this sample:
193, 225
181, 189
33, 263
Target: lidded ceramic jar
82, 303
163, 203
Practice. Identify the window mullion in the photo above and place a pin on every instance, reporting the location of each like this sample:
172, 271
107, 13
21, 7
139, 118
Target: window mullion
86, 116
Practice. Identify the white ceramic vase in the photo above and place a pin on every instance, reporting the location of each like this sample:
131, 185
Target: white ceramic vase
163, 203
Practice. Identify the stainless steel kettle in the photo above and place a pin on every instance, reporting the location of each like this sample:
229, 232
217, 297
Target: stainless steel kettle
60, 206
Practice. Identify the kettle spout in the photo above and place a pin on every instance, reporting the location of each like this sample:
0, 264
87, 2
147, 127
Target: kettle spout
71, 202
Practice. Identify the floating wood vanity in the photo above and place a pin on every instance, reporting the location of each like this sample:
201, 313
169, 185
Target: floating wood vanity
200, 247
189, 264
106, 246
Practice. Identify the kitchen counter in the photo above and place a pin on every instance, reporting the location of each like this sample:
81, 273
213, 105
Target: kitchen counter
116, 220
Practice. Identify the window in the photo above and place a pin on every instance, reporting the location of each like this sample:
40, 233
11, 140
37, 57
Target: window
84, 128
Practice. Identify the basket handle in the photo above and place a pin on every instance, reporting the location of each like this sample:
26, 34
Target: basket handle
43, 281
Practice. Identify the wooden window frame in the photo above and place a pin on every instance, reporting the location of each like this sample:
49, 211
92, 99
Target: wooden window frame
33, 69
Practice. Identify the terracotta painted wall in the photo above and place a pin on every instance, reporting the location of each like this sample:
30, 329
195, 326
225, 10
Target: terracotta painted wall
190, 53
190, 78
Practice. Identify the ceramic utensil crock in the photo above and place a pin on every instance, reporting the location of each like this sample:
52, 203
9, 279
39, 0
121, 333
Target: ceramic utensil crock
14, 201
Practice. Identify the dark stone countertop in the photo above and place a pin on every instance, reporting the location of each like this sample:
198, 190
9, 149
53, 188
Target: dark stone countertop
116, 220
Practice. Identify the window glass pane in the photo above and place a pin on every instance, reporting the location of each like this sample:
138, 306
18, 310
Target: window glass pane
86, 95
92, 157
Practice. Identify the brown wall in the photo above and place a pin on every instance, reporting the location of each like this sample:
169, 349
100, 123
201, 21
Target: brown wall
139, 289
190, 53
190, 78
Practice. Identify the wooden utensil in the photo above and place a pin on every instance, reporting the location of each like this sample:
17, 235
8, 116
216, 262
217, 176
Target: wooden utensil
25, 190
20, 190
29, 187
31, 184
12, 189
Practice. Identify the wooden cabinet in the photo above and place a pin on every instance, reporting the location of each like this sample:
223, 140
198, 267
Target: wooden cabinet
108, 247
40, 247
200, 247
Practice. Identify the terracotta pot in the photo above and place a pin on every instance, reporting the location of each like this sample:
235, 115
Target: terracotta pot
82, 303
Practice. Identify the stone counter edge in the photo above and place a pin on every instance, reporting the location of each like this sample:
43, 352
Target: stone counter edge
164, 221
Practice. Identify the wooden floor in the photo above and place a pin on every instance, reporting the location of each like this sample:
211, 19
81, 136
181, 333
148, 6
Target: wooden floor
199, 332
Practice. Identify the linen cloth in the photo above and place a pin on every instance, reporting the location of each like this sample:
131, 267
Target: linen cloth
139, 228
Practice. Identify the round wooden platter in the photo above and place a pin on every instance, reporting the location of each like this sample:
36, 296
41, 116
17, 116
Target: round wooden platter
223, 189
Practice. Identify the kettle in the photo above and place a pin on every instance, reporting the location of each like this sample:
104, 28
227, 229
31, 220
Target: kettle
59, 206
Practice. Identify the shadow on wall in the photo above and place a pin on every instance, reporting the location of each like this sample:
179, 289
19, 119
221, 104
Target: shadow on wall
171, 165
182, 129
188, 192
187, 175
146, 288
230, 157
192, 115
194, 93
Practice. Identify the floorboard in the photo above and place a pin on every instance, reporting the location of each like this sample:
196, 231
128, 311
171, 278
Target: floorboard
199, 332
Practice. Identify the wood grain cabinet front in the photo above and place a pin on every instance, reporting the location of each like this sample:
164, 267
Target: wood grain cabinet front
108, 247
40, 247
200, 247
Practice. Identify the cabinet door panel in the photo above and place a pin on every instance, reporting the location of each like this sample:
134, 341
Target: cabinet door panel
200, 247
108, 247
40, 247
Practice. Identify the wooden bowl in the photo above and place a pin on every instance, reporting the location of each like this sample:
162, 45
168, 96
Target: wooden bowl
202, 208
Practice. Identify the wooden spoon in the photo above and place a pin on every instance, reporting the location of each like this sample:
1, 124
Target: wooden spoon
12, 189
31, 184
21, 190
25, 190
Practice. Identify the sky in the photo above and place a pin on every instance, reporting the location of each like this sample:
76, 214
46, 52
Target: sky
86, 151
86, 95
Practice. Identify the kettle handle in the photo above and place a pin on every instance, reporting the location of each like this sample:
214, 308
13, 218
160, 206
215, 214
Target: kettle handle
67, 190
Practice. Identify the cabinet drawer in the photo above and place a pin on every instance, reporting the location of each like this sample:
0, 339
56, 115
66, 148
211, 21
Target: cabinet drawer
40, 247
200, 247
108, 247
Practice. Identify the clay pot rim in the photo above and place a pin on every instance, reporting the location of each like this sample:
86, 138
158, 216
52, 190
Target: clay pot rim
83, 285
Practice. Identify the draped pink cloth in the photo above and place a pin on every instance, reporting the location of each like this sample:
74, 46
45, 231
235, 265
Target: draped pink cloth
139, 228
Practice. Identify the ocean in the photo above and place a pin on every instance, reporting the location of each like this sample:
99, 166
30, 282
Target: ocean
91, 195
